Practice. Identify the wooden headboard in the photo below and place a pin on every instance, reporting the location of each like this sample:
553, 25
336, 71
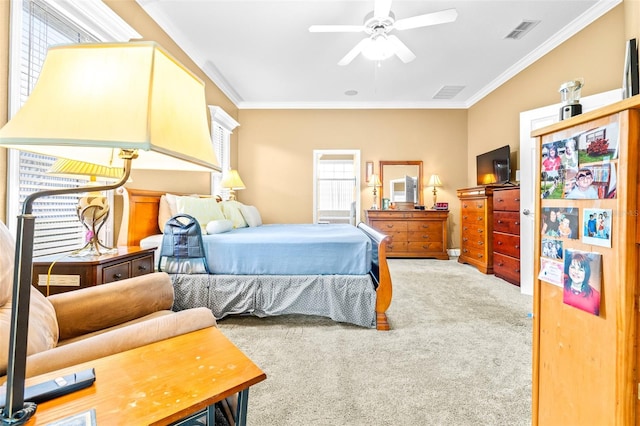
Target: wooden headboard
141, 215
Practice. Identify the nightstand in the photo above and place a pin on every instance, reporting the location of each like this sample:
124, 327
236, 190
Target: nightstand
72, 273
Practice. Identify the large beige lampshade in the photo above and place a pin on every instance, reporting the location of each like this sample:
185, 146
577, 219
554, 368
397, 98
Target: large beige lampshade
113, 96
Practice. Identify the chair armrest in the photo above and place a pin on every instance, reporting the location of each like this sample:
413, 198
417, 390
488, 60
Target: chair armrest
120, 340
96, 308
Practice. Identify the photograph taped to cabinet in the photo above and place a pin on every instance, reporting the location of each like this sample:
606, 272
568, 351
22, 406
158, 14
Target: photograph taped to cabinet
596, 225
582, 166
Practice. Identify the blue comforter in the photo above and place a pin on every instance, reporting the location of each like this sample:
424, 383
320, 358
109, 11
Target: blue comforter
290, 249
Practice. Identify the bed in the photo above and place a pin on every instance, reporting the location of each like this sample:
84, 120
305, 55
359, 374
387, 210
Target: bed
352, 285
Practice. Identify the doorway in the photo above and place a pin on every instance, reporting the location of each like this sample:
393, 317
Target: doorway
336, 186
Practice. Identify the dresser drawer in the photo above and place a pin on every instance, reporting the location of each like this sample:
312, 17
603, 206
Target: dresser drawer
426, 235
473, 253
422, 226
473, 206
474, 218
422, 246
474, 231
473, 241
398, 246
116, 272
506, 267
508, 222
507, 200
388, 226
506, 244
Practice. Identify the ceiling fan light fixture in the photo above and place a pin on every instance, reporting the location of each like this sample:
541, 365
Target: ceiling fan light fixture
379, 48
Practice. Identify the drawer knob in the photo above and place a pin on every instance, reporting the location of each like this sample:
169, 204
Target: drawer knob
425, 226
500, 264
518, 270
142, 267
480, 231
117, 276
389, 226
480, 256
480, 218
426, 237
426, 246
517, 246
517, 199
465, 250
499, 221
465, 228
465, 217
517, 223
465, 239
499, 243
500, 200
479, 205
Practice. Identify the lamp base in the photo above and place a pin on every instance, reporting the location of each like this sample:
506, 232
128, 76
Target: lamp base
93, 212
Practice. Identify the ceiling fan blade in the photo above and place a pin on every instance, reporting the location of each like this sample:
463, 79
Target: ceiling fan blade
401, 49
442, 17
382, 8
354, 52
336, 28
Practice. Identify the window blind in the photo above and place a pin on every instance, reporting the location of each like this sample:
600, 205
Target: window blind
57, 228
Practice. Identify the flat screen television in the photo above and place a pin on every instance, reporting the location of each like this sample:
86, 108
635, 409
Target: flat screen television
493, 167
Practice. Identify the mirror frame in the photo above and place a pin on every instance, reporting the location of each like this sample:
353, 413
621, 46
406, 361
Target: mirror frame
401, 163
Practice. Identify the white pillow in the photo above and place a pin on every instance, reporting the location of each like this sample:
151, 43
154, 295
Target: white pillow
164, 212
204, 210
231, 210
251, 215
219, 226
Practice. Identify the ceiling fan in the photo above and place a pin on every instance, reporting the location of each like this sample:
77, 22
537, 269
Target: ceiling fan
380, 45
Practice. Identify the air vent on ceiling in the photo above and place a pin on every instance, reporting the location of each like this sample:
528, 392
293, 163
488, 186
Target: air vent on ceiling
522, 28
448, 92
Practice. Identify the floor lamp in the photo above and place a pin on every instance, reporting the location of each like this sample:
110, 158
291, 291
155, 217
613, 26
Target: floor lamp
123, 105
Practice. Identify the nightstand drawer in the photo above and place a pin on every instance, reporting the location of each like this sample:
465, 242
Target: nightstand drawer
116, 272
142, 266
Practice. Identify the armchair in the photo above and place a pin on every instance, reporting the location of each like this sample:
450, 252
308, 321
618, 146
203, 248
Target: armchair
83, 325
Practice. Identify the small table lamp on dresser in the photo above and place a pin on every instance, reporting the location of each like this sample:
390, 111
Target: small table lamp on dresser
374, 182
115, 104
435, 182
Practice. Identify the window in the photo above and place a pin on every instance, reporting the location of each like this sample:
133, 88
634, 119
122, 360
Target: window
222, 125
36, 25
336, 186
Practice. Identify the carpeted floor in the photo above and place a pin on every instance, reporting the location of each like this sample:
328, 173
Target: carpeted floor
459, 353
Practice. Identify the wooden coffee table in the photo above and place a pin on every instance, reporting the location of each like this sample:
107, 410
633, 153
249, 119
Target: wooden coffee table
160, 383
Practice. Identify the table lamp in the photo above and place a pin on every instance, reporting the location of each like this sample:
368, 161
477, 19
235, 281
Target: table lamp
93, 208
435, 182
233, 182
114, 104
374, 182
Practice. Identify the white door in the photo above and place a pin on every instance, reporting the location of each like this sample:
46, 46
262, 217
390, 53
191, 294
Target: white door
529, 121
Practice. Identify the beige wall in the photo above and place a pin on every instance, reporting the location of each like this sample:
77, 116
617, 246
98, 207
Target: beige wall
275, 152
596, 54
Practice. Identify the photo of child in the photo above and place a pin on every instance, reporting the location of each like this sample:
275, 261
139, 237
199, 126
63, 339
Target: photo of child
596, 225
560, 222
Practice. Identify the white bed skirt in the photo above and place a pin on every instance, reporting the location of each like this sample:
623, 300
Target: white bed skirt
343, 298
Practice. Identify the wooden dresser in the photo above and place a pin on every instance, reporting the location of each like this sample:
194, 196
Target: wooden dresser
476, 210
506, 234
412, 233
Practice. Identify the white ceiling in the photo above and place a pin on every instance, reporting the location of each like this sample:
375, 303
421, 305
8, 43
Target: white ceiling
261, 54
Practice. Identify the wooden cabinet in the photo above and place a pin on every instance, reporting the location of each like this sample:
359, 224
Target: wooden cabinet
72, 273
506, 234
476, 210
585, 361
412, 233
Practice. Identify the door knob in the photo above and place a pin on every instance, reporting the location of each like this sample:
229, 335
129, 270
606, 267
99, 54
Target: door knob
526, 212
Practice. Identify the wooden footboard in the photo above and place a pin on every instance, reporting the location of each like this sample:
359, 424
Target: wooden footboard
380, 273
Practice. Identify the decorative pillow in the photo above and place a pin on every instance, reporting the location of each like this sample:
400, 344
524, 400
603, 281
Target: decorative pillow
251, 215
203, 209
231, 210
219, 226
164, 212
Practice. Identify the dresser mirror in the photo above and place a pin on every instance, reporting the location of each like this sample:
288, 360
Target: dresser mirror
401, 183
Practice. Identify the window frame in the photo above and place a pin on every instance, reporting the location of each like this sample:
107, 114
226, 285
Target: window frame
223, 125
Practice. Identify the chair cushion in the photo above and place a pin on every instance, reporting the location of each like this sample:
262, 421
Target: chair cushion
43, 325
